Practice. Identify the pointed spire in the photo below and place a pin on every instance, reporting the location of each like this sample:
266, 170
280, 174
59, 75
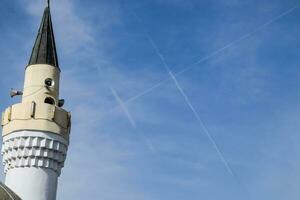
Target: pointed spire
44, 50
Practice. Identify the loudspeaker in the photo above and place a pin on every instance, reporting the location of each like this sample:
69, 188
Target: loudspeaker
61, 103
14, 93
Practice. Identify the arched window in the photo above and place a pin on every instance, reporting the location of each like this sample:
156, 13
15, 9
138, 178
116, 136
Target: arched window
49, 100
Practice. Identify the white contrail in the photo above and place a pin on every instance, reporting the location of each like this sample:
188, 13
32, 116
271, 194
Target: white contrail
211, 138
173, 76
188, 102
204, 128
124, 108
148, 142
157, 51
147, 91
240, 39
211, 55
198, 118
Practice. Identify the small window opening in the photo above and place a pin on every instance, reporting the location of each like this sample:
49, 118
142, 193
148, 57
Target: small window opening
49, 100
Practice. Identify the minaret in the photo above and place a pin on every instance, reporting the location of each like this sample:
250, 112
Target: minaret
36, 131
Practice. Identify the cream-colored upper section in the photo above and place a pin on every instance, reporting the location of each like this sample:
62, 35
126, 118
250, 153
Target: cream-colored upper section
40, 117
34, 85
39, 107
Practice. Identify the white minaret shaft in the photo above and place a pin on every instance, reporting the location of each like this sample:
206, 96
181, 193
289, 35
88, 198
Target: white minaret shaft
33, 161
36, 131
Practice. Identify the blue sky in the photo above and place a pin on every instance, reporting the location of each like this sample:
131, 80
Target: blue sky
138, 133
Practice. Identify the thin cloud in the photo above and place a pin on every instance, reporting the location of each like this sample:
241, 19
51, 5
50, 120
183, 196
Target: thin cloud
124, 108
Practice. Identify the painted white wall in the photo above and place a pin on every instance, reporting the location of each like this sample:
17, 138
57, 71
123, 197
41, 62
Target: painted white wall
32, 183
33, 162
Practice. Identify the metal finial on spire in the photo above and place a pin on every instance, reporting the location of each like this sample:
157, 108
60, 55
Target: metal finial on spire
48, 3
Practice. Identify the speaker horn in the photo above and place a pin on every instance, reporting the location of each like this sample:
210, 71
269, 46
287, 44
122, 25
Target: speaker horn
14, 93
61, 103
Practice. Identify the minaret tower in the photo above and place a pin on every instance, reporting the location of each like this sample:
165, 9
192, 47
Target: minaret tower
36, 131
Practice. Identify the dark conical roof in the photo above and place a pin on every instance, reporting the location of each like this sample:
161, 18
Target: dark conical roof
44, 50
7, 194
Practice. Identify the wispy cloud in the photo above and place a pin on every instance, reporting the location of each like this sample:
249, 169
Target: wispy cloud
111, 76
